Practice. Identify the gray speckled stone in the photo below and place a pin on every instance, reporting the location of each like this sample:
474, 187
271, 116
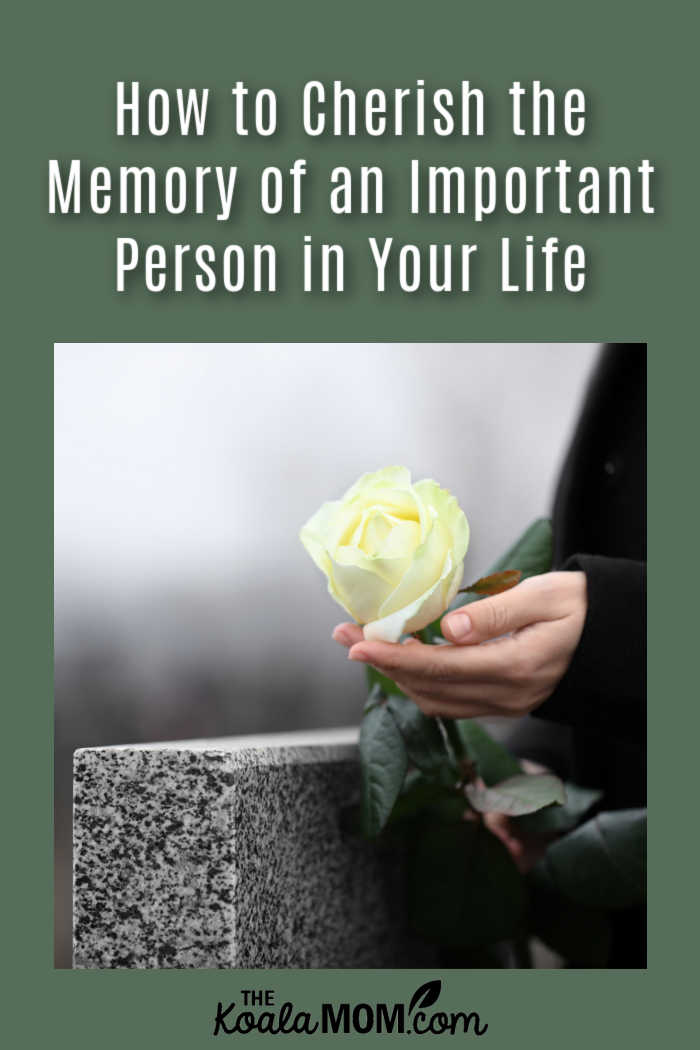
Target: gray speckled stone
229, 853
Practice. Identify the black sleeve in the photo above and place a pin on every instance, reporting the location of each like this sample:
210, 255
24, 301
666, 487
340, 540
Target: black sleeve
604, 687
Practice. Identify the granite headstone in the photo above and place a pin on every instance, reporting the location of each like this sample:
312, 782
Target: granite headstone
231, 853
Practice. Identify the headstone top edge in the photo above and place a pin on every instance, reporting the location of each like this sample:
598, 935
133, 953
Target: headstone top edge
301, 746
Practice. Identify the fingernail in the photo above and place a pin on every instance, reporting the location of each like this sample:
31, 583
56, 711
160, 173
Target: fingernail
355, 655
460, 626
340, 635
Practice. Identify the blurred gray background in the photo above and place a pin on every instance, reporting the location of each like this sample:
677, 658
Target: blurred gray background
185, 605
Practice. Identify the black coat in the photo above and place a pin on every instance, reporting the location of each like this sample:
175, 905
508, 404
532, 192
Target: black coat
599, 524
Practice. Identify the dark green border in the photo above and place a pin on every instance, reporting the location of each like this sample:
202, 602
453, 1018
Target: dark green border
635, 61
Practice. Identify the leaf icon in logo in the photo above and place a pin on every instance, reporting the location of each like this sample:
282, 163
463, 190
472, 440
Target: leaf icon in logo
426, 995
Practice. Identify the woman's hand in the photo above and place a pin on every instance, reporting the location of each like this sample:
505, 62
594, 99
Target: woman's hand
506, 655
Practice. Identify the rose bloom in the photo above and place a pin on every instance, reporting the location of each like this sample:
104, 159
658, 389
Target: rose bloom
393, 551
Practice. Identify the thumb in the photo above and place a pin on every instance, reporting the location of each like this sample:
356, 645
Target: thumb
495, 616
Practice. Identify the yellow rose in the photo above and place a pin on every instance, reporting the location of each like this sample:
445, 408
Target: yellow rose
393, 551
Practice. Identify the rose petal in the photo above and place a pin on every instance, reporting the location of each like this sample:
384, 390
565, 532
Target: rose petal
424, 571
417, 614
449, 512
361, 591
327, 529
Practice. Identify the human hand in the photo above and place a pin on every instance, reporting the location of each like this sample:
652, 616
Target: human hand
525, 847
507, 653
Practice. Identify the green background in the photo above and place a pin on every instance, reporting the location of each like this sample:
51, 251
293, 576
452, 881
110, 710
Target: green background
634, 60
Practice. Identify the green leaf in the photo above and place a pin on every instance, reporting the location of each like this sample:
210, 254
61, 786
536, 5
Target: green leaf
376, 678
601, 864
383, 764
531, 554
493, 762
464, 889
561, 818
375, 697
524, 793
425, 744
418, 796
